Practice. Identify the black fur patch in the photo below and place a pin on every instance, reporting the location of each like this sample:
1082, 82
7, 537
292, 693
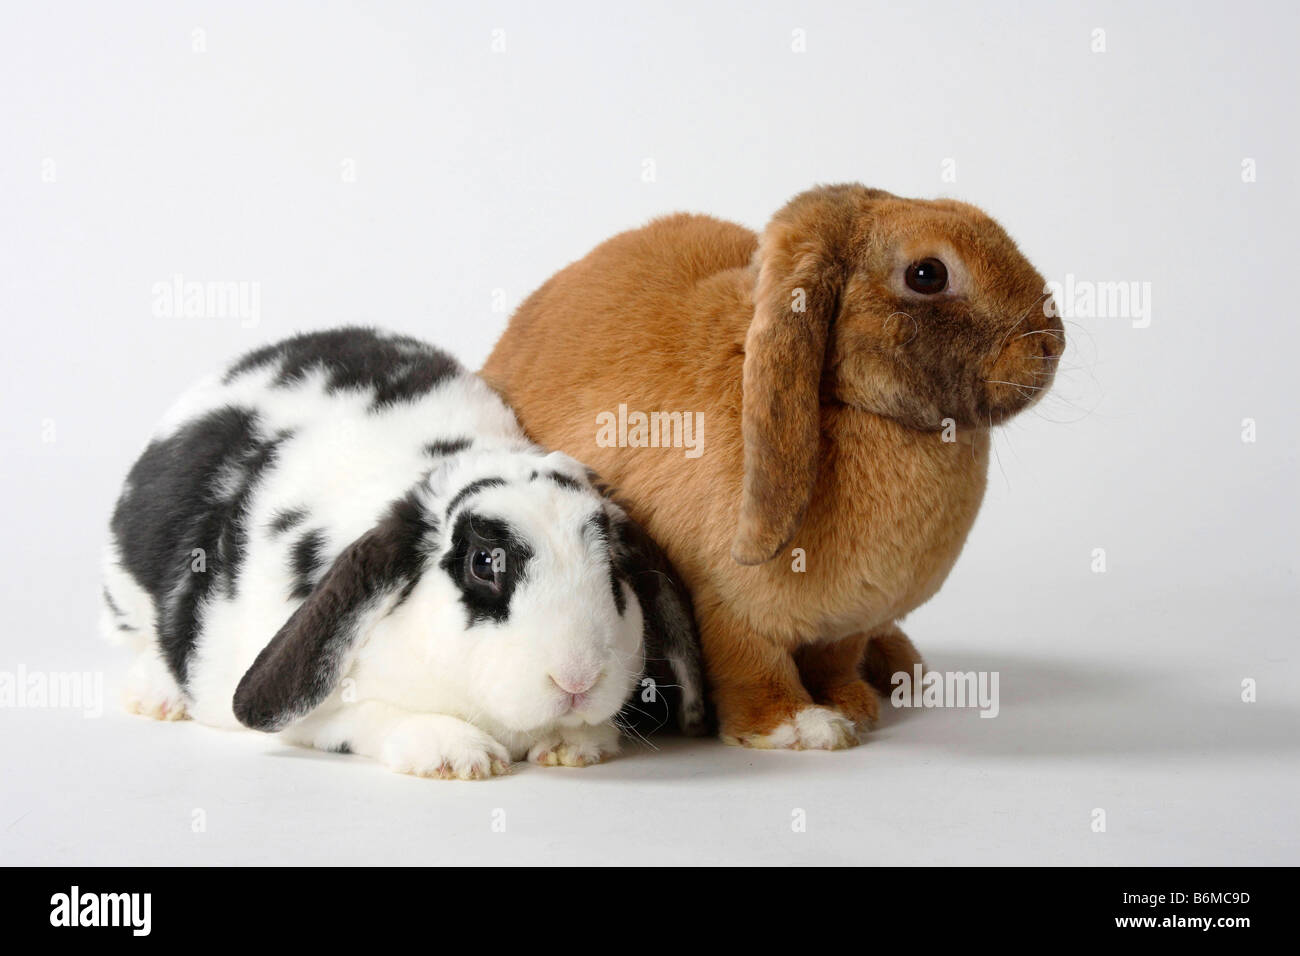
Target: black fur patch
394, 368
246, 470
305, 562
411, 514
453, 446
472, 534
287, 520
473, 488
305, 660
186, 492
564, 481
599, 523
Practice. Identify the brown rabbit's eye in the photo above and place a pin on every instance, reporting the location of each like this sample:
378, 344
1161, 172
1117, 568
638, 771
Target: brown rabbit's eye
927, 277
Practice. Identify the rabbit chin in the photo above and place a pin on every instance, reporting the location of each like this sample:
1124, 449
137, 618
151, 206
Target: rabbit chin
546, 707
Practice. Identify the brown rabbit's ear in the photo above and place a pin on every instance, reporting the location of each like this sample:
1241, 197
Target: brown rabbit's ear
800, 275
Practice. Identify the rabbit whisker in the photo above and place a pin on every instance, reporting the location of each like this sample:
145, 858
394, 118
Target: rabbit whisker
628, 728
998, 381
1024, 315
996, 455
1039, 332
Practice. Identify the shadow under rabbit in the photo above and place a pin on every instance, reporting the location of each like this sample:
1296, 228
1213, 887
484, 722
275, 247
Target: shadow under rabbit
1065, 707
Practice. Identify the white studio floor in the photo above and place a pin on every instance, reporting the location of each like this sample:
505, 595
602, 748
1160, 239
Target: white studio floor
1159, 739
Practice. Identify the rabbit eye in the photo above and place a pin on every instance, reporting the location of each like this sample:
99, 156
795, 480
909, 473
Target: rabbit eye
928, 277
486, 561
482, 566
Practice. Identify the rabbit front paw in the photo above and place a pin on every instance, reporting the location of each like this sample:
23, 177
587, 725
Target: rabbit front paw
575, 747
812, 728
445, 748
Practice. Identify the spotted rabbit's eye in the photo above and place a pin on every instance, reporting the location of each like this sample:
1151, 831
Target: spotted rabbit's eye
928, 277
482, 567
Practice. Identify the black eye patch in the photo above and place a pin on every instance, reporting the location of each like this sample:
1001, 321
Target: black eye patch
486, 560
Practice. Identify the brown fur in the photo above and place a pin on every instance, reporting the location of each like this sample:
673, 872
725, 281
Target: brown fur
822, 425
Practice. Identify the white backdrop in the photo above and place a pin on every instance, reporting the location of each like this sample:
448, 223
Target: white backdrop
425, 166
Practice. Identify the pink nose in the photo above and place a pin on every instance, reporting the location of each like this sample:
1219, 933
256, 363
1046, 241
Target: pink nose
574, 684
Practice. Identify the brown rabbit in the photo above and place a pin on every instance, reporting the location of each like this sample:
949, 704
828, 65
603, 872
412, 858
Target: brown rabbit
844, 370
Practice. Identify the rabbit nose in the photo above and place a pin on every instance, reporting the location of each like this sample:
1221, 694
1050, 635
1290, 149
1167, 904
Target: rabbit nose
575, 683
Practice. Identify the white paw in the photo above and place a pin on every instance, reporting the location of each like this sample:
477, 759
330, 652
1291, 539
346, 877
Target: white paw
429, 745
151, 690
575, 747
813, 728
157, 707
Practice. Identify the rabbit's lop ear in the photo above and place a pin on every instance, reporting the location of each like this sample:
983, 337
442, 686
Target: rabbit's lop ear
305, 661
671, 642
800, 275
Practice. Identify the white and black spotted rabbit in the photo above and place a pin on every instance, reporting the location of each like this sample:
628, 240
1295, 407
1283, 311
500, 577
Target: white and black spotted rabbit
346, 539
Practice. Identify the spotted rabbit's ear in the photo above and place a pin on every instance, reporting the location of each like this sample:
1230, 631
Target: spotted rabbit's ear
305, 661
670, 640
800, 275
